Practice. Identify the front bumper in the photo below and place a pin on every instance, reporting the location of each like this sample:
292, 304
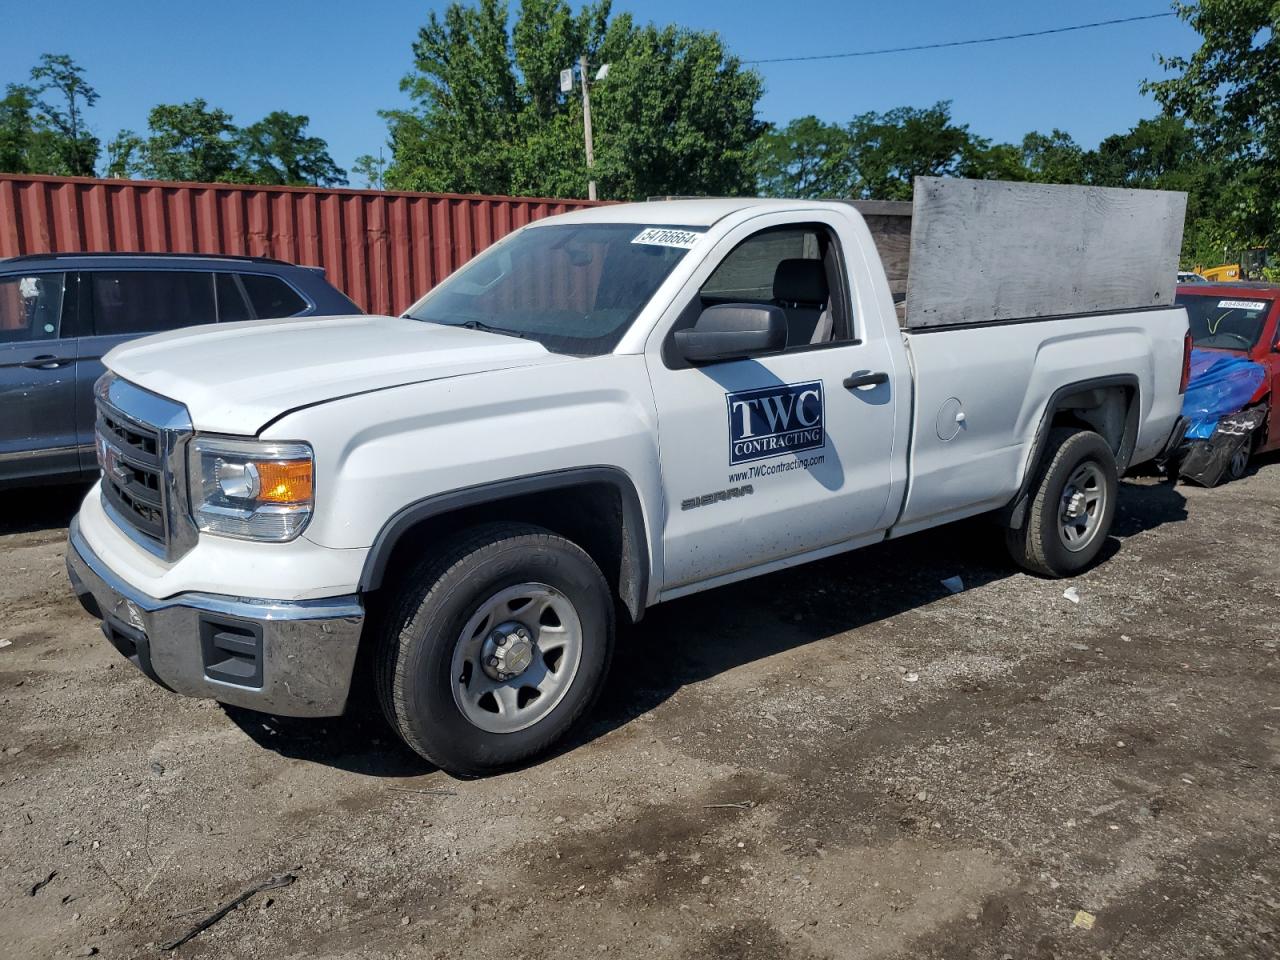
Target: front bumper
292, 658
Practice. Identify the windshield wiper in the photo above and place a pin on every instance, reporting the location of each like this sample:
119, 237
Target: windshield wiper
478, 325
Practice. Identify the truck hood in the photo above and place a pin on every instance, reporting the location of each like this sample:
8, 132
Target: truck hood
237, 377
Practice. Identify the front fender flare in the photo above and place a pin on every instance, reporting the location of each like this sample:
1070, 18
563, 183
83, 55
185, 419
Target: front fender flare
634, 565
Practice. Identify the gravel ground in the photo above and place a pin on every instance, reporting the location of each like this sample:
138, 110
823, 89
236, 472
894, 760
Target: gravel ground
842, 760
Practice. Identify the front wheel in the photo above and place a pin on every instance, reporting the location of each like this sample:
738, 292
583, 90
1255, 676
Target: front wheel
1072, 505
1238, 465
496, 648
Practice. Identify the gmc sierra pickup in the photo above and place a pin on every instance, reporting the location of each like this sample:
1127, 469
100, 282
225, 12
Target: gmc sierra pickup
604, 411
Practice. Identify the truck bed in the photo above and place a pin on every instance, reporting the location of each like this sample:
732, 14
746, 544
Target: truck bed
988, 387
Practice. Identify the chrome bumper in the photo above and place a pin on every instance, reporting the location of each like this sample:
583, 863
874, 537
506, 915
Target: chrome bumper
292, 658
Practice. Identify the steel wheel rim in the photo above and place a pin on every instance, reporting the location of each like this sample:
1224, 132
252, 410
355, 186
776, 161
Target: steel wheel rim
1080, 509
555, 633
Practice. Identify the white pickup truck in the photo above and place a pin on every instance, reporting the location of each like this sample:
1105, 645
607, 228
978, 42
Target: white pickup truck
604, 411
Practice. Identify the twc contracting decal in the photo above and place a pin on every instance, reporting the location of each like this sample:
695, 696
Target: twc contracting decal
775, 421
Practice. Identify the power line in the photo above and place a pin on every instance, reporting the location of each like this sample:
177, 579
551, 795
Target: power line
963, 43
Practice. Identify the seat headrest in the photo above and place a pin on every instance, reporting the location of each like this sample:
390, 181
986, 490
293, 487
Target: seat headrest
800, 281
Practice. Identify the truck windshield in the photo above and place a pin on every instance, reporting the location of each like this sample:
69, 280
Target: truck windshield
575, 288
1225, 323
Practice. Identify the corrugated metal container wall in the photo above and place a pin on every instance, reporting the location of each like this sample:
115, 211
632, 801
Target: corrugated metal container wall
382, 249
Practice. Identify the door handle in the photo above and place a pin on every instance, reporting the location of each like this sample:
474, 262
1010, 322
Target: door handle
865, 379
47, 362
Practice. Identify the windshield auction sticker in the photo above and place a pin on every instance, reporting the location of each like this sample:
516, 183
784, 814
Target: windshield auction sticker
666, 237
1242, 304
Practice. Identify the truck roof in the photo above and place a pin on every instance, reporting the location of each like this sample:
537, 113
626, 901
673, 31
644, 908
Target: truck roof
692, 213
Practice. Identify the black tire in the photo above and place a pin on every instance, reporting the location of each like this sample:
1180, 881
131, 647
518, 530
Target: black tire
1238, 465
423, 625
1040, 544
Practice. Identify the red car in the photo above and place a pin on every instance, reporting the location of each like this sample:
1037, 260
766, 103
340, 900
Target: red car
1241, 319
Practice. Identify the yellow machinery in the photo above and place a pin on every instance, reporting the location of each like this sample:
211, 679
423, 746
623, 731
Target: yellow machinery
1249, 268
1228, 271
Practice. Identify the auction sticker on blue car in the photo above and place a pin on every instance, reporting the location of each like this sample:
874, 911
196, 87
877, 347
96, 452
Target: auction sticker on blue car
775, 421
667, 237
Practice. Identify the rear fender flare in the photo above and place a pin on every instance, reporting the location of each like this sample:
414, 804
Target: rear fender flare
1015, 513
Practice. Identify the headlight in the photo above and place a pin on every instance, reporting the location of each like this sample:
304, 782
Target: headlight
251, 489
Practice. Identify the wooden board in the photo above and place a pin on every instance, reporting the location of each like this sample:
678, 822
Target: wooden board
987, 250
890, 224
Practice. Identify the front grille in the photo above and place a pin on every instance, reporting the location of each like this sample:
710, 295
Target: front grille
142, 442
130, 454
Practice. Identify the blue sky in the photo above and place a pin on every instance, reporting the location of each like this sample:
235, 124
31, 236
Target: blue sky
339, 62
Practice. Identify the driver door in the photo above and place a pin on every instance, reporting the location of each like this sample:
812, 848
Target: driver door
778, 455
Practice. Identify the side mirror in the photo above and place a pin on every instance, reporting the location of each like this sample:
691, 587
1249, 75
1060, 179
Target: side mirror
733, 331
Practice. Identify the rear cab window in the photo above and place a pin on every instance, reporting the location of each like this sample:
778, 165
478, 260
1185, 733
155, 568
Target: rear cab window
31, 306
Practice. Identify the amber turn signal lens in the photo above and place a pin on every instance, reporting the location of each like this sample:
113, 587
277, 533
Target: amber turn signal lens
284, 482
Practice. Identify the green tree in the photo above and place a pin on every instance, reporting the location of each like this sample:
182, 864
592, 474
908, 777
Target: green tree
372, 170
891, 149
277, 150
984, 160
17, 128
875, 156
462, 134
1163, 152
676, 114
187, 141
807, 158
1053, 158
27, 143
123, 153
1229, 90
63, 116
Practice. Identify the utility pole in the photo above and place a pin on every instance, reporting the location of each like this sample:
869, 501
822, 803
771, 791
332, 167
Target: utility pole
566, 86
586, 126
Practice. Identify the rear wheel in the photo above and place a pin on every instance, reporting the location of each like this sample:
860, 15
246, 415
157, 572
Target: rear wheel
1073, 503
496, 648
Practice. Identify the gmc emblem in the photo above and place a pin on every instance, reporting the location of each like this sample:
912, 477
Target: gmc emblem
113, 466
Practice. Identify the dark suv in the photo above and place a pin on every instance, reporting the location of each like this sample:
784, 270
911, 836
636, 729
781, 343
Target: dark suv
59, 313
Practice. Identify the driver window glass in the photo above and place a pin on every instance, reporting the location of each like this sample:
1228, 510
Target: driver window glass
796, 268
747, 273
30, 307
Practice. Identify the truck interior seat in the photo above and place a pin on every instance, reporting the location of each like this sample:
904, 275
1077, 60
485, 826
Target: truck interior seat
800, 289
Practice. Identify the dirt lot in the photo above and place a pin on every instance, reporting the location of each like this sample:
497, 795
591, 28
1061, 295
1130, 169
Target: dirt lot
843, 760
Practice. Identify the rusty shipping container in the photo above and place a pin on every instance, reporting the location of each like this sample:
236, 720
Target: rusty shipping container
383, 249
